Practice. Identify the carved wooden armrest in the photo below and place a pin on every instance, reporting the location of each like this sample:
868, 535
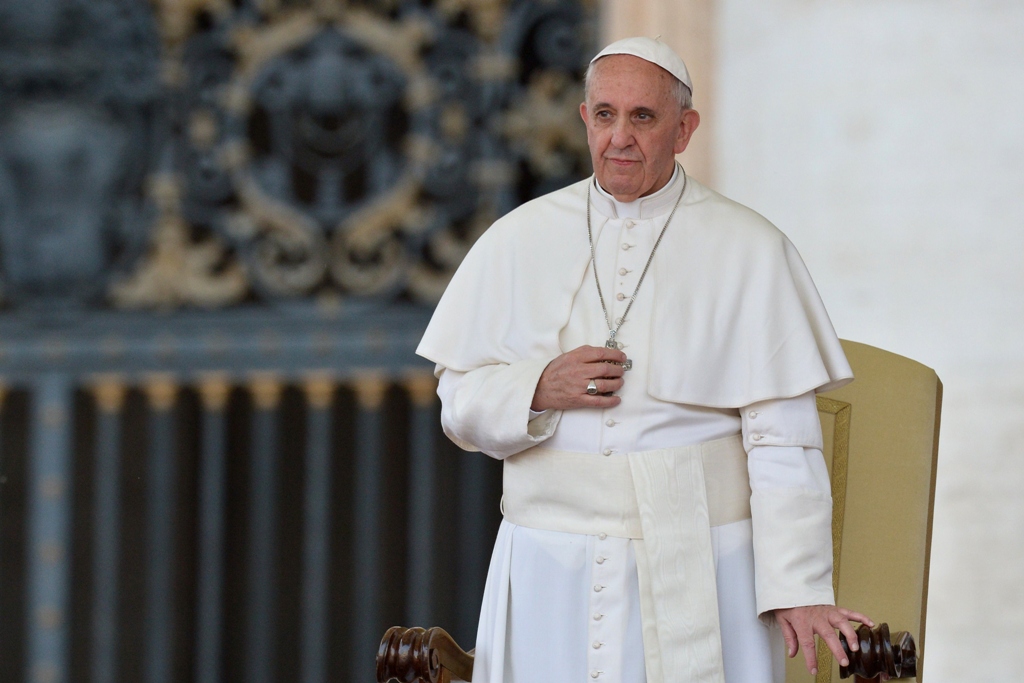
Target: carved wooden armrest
895, 656
416, 655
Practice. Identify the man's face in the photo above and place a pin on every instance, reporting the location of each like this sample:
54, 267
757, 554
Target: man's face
634, 126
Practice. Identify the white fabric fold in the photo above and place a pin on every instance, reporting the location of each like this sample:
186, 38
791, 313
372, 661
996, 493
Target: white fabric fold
792, 548
587, 493
494, 617
737, 319
680, 568
488, 409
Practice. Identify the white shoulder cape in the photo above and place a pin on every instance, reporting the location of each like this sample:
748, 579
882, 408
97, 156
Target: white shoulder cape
737, 318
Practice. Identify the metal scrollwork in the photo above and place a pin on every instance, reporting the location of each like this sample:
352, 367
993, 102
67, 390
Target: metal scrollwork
303, 147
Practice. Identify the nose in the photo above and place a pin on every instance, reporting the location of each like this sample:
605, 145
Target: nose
622, 133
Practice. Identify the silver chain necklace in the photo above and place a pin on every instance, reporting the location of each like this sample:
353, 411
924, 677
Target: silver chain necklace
612, 331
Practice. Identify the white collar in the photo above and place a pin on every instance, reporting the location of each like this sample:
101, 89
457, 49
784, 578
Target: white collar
659, 203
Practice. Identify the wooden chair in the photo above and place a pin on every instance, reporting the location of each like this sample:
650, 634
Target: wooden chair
881, 437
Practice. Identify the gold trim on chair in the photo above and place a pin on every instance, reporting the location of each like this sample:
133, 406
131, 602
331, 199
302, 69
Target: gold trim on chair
840, 412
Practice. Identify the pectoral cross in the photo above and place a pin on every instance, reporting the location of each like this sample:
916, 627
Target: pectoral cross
612, 344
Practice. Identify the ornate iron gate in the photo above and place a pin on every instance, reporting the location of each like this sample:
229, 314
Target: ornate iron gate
223, 224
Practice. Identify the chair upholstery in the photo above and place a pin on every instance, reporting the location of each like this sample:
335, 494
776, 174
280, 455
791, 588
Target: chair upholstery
881, 444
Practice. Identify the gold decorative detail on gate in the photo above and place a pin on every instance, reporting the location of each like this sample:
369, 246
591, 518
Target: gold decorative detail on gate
177, 270
371, 388
422, 388
162, 390
266, 390
319, 387
109, 391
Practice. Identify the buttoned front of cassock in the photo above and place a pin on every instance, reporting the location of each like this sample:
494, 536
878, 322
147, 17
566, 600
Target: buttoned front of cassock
570, 608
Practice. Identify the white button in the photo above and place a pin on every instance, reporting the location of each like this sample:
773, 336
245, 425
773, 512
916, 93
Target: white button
608, 451
627, 247
757, 437
596, 645
598, 588
620, 296
602, 535
595, 674
623, 271
753, 414
597, 616
600, 560
610, 423
630, 224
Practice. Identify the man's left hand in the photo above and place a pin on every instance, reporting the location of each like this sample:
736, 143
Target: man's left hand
799, 624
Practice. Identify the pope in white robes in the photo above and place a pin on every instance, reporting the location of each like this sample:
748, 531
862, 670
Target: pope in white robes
643, 354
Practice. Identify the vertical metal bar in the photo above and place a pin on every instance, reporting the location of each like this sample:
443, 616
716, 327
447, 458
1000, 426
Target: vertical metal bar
49, 537
368, 626
421, 563
161, 474
317, 525
474, 547
3, 477
261, 623
109, 392
214, 391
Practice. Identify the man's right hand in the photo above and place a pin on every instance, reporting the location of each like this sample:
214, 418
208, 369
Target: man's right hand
563, 384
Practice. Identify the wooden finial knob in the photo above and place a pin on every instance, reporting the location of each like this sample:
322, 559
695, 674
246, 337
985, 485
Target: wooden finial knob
880, 653
421, 655
405, 655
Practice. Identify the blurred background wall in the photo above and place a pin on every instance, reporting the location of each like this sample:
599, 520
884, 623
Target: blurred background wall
184, 283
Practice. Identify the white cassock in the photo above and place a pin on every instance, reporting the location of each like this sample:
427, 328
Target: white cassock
564, 606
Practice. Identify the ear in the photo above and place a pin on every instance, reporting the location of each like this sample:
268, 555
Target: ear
688, 122
583, 111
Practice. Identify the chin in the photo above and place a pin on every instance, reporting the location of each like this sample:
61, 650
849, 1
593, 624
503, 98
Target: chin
618, 190
618, 185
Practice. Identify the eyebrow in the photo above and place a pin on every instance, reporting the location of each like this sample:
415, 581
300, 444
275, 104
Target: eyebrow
637, 110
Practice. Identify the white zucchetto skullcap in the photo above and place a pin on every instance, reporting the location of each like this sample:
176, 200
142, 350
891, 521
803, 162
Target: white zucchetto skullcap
653, 51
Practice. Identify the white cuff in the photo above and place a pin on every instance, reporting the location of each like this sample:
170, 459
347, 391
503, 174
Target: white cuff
487, 409
792, 549
782, 422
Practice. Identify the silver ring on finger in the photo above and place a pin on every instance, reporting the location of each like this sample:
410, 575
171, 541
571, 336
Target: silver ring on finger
592, 387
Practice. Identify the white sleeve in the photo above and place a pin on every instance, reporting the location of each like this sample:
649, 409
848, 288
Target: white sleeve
790, 504
488, 409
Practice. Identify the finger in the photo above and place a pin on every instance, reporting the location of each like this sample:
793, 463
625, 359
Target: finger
806, 641
598, 401
832, 640
851, 635
856, 616
592, 354
789, 635
608, 386
604, 369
